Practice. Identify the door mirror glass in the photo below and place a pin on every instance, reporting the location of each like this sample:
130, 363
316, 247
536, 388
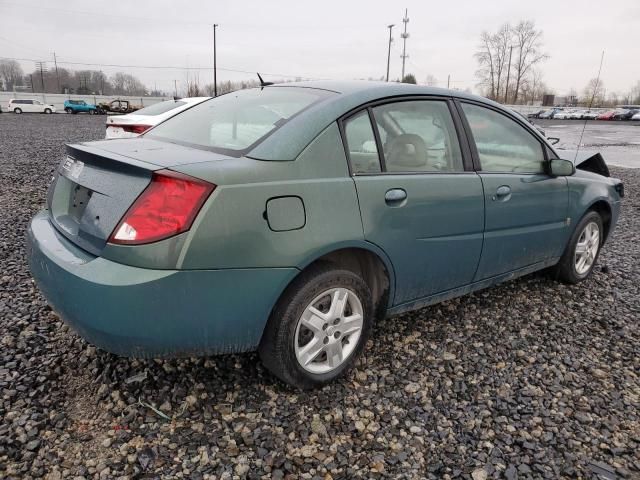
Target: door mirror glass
561, 168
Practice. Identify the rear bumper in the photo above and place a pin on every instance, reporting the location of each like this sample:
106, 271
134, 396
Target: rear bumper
140, 312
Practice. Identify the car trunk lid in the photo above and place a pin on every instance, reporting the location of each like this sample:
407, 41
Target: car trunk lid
96, 183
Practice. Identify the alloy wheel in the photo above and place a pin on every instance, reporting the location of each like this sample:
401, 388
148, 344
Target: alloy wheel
328, 330
587, 248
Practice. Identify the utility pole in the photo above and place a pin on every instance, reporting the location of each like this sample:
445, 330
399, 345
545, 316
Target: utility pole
506, 90
55, 61
390, 27
175, 86
404, 37
448, 80
32, 90
42, 67
215, 79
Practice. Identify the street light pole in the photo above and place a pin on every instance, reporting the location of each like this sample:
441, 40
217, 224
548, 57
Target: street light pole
390, 27
215, 79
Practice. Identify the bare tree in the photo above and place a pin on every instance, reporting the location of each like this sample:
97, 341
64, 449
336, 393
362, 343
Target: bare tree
431, 81
10, 73
593, 93
528, 42
492, 57
127, 84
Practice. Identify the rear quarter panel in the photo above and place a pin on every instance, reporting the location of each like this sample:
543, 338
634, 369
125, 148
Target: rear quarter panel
232, 231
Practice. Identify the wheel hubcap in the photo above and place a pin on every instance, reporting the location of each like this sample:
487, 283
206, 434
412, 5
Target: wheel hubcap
587, 248
328, 330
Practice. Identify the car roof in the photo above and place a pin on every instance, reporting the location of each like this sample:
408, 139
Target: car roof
292, 137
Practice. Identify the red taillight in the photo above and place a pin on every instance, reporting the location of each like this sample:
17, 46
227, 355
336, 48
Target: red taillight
137, 129
165, 208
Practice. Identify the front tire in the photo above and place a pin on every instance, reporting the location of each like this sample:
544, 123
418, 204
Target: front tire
318, 328
47, 111
582, 251
17, 111
68, 110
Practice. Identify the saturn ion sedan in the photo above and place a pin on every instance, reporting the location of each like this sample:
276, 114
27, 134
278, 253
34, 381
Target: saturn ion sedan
290, 218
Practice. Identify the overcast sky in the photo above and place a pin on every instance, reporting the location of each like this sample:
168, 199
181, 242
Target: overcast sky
324, 39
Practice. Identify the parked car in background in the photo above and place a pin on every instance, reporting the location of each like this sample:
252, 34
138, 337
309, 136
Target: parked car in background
636, 116
563, 114
576, 115
78, 106
210, 233
119, 106
589, 115
30, 106
133, 124
625, 114
528, 120
547, 114
606, 115
535, 114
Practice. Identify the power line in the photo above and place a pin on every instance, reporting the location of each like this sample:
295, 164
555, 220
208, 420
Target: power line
163, 67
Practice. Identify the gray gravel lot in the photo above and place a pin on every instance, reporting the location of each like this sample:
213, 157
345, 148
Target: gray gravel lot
531, 379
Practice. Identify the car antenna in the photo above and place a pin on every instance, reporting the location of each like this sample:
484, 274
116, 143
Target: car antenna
262, 82
593, 96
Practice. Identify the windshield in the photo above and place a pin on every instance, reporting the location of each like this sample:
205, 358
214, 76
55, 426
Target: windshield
234, 122
160, 107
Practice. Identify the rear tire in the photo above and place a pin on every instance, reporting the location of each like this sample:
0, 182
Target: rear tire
47, 111
68, 110
582, 251
92, 112
17, 110
318, 328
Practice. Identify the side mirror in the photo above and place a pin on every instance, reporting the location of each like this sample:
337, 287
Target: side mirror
553, 140
561, 168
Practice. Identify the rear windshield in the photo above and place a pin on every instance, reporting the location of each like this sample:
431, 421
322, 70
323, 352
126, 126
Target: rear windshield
235, 122
160, 107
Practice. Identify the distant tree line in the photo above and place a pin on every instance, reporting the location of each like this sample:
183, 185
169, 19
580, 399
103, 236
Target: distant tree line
81, 82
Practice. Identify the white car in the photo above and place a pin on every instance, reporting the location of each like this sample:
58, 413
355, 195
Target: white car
564, 114
30, 106
636, 116
133, 124
577, 115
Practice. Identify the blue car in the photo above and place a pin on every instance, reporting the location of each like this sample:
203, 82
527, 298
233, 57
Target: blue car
290, 218
79, 106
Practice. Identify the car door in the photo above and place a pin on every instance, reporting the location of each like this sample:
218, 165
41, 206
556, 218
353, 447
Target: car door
419, 199
525, 207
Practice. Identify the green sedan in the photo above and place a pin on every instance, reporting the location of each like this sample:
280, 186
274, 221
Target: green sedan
290, 218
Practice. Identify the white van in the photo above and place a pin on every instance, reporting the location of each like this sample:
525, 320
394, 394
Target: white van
30, 106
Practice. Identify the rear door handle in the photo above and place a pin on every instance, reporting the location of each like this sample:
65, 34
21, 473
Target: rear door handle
503, 193
395, 197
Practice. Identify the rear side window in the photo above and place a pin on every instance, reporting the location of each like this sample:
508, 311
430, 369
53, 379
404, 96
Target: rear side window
234, 123
503, 144
160, 107
361, 144
418, 136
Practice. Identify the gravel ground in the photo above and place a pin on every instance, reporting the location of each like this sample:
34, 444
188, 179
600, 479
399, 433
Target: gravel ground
531, 379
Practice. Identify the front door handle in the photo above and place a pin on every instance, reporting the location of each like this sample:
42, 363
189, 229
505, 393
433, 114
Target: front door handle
503, 193
395, 197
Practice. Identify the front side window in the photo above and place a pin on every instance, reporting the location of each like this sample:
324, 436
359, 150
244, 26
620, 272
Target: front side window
503, 145
235, 122
361, 143
418, 136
